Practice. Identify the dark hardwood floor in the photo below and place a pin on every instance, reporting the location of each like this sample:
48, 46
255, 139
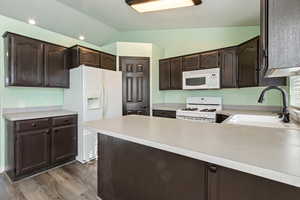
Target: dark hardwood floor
71, 182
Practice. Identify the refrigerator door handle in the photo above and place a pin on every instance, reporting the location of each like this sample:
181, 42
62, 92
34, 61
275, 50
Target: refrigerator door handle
103, 99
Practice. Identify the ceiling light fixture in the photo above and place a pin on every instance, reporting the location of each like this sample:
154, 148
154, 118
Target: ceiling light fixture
81, 37
32, 21
143, 6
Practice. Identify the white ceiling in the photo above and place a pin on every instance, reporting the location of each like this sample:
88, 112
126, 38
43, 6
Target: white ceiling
57, 17
211, 13
101, 20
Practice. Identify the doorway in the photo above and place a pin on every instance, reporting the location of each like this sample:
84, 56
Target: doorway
136, 85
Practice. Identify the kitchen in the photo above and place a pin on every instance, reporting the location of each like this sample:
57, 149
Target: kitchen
213, 75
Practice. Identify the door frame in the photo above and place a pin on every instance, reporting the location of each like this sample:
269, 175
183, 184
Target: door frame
149, 81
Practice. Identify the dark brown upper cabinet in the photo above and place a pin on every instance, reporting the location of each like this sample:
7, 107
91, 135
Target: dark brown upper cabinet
280, 33
228, 68
108, 61
248, 63
24, 61
176, 73
170, 74
164, 75
84, 56
209, 60
240, 67
191, 62
79, 55
34, 63
56, 69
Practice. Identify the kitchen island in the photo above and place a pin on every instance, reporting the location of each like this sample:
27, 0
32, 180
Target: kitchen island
154, 158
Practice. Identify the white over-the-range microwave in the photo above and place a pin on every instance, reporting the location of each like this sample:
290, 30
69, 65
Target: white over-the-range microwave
201, 79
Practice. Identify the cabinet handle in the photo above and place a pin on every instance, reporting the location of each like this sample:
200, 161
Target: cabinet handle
56, 131
33, 125
213, 169
66, 120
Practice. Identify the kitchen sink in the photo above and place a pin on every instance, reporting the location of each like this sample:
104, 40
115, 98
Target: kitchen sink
260, 120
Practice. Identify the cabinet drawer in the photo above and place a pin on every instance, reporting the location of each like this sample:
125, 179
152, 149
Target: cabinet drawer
32, 124
164, 113
65, 120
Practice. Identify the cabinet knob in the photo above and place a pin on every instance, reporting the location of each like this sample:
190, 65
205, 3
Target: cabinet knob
213, 169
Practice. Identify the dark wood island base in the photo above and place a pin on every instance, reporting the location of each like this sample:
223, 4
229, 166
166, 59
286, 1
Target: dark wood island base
130, 171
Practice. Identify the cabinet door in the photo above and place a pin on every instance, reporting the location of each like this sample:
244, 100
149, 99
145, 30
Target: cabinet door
190, 63
164, 75
164, 113
228, 68
89, 57
283, 33
63, 143
32, 151
56, 71
130, 171
108, 62
228, 184
248, 64
210, 60
176, 73
26, 62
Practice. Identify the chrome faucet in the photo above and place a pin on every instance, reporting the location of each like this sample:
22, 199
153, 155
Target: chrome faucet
285, 114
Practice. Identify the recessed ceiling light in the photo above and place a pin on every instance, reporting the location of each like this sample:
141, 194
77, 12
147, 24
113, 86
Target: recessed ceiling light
143, 6
32, 21
81, 37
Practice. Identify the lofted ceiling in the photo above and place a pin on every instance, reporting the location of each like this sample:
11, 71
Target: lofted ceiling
102, 20
57, 17
211, 13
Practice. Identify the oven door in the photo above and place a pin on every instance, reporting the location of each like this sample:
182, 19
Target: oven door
201, 79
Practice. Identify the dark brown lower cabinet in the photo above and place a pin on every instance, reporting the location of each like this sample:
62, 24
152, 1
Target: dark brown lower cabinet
164, 113
130, 171
33, 151
228, 184
63, 143
221, 118
39, 144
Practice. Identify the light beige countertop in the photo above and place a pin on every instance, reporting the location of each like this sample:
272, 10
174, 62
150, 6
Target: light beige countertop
267, 152
37, 115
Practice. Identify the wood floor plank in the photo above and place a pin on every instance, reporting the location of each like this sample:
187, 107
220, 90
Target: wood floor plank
71, 182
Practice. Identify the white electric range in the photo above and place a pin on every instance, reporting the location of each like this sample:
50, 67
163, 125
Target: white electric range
200, 109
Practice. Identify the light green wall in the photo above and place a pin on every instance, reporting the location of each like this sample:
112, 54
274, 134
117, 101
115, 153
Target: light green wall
157, 95
243, 96
185, 41
29, 97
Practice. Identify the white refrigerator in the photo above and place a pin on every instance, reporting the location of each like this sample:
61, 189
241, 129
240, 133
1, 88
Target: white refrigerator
95, 94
